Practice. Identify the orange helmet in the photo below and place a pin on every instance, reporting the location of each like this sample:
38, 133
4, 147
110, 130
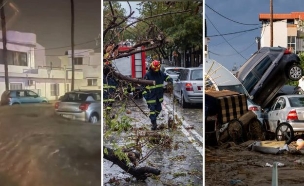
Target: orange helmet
155, 66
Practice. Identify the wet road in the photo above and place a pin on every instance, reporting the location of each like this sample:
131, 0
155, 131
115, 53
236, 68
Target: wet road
181, 165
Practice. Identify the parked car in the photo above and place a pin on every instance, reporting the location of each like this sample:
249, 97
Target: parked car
13, 97
173, 72
188, 87
266, 71
286, 117
220, 78
84, 105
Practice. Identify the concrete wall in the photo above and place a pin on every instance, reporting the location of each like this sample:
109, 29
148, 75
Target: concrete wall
279, 34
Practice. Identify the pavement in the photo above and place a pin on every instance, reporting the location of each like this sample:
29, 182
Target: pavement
180, 165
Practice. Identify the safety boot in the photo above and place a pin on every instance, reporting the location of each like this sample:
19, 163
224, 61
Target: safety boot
154, 125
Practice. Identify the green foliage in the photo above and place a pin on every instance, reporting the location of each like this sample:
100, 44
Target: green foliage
118, 152
183, 30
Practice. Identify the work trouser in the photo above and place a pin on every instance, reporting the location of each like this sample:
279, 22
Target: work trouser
155, 109
107, 107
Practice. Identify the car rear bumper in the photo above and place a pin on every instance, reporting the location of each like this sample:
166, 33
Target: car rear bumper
194, 98
298, 126
81, 116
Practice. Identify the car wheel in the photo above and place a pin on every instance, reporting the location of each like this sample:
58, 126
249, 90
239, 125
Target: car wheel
44, 101
294, 72
16, 103
184, 103
93, 118
284, 132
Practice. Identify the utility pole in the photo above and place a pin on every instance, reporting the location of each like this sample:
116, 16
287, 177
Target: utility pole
4, 41
271, 23
72, 43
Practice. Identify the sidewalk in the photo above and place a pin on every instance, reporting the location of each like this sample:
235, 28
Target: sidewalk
180, 165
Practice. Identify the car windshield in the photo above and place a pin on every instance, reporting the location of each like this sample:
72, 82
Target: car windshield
296, 101
174, 71
197, 74
80, 97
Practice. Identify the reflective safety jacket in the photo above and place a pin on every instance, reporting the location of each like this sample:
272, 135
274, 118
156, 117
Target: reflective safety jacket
109, 89
155, 92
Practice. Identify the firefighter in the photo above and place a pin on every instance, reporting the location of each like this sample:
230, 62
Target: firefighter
154, 94
109, 88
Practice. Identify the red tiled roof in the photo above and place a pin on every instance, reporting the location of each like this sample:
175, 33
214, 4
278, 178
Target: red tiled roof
292, 15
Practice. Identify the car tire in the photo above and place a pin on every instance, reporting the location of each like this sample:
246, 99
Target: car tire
183, 101
284, 132
16, 104
94, 118
294, 72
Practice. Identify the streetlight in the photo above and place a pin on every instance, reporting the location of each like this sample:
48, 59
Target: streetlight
258, 41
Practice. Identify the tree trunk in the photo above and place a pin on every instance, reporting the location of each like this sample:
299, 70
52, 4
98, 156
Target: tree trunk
72, 44
4, 41
139, 173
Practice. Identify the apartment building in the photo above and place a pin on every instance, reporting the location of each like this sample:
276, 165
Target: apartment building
288, 30
89, 63
27, 70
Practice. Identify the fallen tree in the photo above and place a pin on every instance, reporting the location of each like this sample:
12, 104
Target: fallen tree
140, 173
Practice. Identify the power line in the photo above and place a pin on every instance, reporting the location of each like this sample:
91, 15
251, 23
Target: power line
227, 17
78, 52
67, 46
231, 33
224, 37
228, 40
240, 51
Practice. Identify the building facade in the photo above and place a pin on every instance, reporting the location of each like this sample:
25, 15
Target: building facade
27, 70
89, 63
288, 31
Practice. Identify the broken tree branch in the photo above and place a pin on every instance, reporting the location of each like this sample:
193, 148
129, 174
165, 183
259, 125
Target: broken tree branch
140, 173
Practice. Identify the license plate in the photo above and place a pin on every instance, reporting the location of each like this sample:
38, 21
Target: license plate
68, 116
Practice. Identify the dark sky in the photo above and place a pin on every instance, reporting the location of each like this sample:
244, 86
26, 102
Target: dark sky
50, 20
244, 11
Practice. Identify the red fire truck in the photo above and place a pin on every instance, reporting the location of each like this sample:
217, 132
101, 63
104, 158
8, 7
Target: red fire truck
132, 66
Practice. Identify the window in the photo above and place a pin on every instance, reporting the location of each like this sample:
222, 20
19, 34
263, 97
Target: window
183, 75
78, 61
14, 58
197, 75
67, 87
31, 94
291, 43
20, 93
15, 86
263, 66
55, 89
250, 81
92, 82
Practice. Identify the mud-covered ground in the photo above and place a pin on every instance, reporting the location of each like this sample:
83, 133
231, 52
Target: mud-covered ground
237, 165
39, 148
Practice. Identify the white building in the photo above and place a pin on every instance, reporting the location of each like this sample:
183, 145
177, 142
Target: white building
89, 63
288, 31
26, 69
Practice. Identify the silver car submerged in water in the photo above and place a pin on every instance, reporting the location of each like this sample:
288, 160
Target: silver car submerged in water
84, 105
